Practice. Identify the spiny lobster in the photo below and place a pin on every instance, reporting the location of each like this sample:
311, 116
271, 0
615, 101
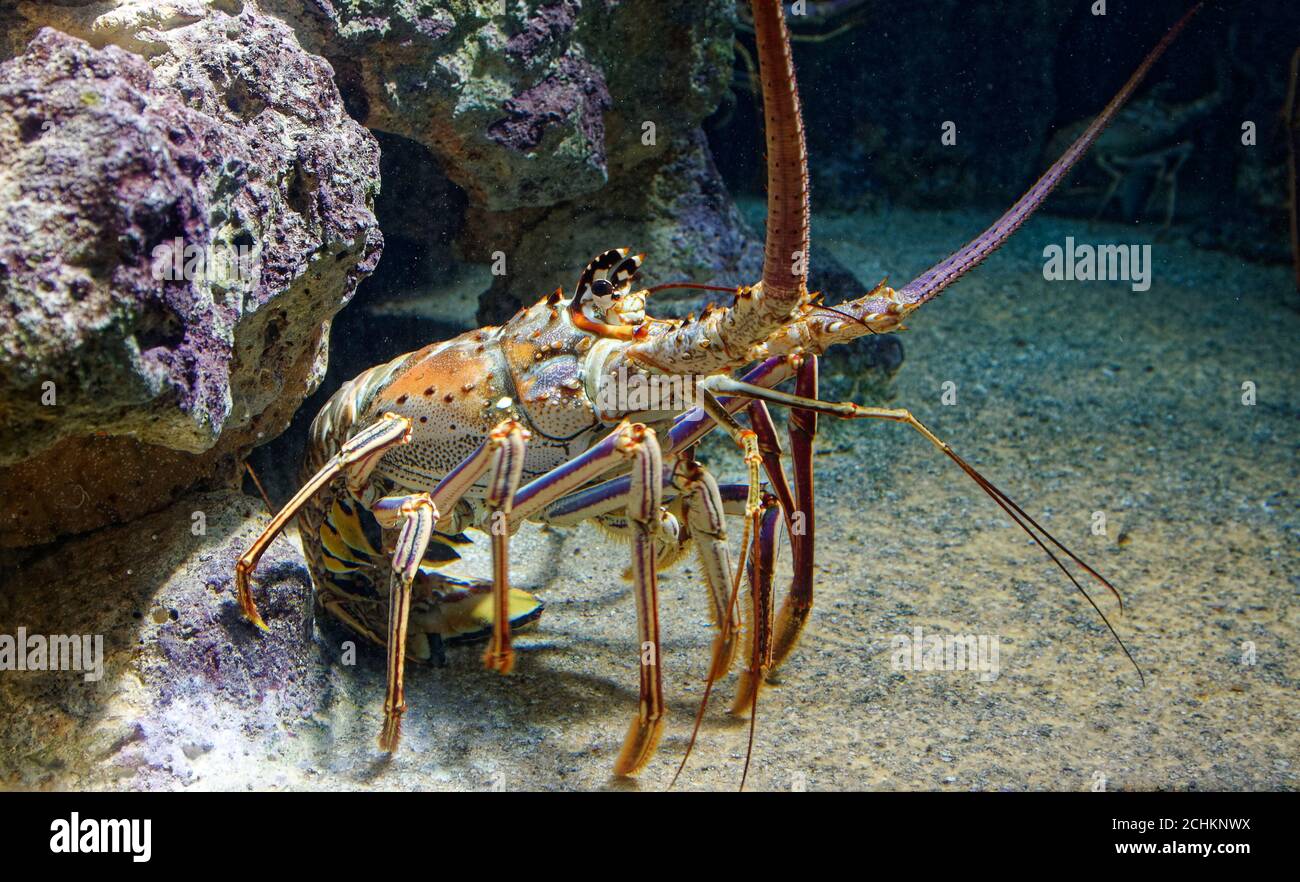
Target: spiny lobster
506, 424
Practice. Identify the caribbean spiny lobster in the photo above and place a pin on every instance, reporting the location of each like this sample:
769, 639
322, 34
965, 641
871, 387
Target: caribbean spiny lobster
506, 424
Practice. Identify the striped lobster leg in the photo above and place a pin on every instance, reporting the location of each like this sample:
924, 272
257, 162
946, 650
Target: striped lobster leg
355, 460
643, 511
417, 515
849, 410
706, 523
500, 457
642, 503
762, 570
506, 469
705, 506
798, 601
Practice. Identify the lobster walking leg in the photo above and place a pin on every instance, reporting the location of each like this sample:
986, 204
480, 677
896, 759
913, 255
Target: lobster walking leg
417, 516
553, 495
356, 459
803, 522
706, 522
762, 569
643, 512
746, 439
706, 506
849, 410
769, 447
501, 457
798, 505
506, 470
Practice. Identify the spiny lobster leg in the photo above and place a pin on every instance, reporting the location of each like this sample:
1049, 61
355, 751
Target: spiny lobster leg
607, 496
849, 410
706, 522
643, 512
803, 523
595, 501
564, 505
706, 505
417, 516
733, 498
551, 494
746, 440
356, 459
797, 506
758, 618
688, 428
506, 470
769, 447
501, 458
762, 569
754, 520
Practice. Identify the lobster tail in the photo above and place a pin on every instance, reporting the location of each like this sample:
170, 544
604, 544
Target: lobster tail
785, 255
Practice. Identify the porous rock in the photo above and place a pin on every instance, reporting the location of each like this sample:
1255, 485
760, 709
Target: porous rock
228, 136
574, 127
190, 694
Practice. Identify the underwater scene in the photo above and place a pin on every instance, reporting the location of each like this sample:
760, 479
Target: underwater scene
832, 395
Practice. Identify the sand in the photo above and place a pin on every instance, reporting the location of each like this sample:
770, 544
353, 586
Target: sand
1075, 398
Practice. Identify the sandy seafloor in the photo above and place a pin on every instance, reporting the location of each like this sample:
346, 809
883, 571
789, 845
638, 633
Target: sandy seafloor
1075, 398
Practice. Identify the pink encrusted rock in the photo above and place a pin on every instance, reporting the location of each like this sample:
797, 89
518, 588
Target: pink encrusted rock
573, 127
229, 140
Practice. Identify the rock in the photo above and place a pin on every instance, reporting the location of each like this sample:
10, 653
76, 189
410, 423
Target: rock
572, 127
532, 107
513, 105
186, 684
229, 140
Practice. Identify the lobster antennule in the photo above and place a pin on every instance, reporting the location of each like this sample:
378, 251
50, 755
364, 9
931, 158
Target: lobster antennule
928, 285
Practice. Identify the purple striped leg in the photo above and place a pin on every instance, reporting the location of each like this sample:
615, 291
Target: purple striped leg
417, 515
705, 507
1042, 538
762, 569
643, 505
706, 523
507, 467
643, 511
802, 521
355, 460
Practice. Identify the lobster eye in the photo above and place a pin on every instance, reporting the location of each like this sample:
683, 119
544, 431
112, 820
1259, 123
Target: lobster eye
602, 287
